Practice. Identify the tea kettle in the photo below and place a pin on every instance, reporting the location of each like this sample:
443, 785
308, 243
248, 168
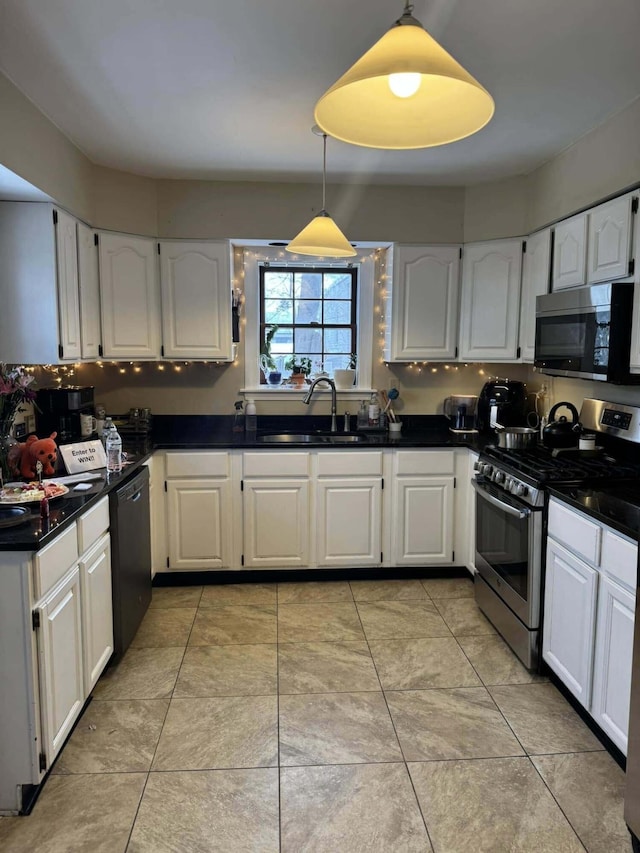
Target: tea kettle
562, 433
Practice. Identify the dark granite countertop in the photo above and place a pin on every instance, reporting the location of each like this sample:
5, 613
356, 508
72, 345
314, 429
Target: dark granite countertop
616, 505
208, 432
34, 533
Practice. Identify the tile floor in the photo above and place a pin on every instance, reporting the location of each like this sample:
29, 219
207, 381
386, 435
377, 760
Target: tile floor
372, 716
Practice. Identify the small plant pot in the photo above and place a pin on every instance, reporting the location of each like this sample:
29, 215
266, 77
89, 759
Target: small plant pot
297, 379
344, 378
274, 378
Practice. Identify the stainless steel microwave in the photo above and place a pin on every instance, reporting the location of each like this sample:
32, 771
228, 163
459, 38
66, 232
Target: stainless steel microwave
586, 332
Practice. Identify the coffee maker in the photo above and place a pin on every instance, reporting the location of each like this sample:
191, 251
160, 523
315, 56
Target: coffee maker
59, 410
502, 401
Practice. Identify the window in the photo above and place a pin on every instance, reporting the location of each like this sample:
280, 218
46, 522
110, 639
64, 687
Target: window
335, 333
315, 311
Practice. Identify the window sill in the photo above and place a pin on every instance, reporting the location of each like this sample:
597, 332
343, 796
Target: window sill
284, 392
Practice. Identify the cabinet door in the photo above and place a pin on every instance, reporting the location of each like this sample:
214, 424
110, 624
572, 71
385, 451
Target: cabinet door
536, 273
60, 662
423, 531
349, 521
569, 620
199, 523
196, 300
424, 297
570, 253
276, 522
612, 666
68, 296
490, 301
89, 292
609, 240
97, 611
130, 301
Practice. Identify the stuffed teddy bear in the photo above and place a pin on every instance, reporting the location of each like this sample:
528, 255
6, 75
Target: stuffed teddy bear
37, 449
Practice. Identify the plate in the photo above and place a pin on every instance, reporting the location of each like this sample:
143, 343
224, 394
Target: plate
24, 493
11, 516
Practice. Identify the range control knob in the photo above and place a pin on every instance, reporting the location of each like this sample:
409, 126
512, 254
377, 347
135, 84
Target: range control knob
499, 477
508, 483
487, 469
521, 491
477, 466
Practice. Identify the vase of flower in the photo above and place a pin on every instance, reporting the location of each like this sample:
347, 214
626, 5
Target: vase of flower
14, 390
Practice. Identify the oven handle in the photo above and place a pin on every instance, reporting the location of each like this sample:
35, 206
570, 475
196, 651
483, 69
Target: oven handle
510, 510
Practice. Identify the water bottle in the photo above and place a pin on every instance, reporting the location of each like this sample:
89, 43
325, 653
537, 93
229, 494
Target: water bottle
114, 450
106, 429
251, 420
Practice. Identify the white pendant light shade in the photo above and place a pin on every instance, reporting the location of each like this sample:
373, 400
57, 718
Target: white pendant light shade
322, 237
405, 92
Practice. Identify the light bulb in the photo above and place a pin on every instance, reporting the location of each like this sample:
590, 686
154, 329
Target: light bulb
404, 85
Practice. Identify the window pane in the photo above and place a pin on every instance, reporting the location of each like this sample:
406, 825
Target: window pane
307, 341
308, 311
278, 311
336, 362
337, 312
308, 285
282, 342
337, 285
337, 340
278, 285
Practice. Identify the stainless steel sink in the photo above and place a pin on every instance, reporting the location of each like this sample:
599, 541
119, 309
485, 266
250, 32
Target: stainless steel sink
311, 438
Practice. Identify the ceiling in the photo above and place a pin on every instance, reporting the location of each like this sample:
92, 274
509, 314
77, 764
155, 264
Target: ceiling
226, 90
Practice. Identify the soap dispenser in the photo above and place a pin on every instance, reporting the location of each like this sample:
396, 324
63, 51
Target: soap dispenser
251, 419
238, 420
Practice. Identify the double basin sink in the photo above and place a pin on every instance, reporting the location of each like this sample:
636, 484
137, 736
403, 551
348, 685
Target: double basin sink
312, 438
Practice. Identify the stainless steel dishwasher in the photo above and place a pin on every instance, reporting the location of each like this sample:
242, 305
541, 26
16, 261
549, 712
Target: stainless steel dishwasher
130, 558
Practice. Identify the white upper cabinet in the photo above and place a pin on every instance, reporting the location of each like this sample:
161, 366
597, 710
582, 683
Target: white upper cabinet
196, 300
490, 305
40, 316
130, 300
609, 244
89, 287
67, 276
423, 297
535, 282
570, 253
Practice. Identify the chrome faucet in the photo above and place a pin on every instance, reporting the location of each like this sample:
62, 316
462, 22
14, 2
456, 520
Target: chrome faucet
334, 406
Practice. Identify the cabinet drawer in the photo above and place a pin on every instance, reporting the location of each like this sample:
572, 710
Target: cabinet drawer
280, 464
93, 524
574, 530
425, 462
345, 464
197, 464
620, 559
55, 560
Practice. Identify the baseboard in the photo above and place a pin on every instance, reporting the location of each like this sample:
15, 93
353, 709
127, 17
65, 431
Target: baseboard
296, 575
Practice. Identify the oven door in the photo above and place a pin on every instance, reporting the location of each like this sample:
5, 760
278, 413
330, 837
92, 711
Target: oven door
509, 549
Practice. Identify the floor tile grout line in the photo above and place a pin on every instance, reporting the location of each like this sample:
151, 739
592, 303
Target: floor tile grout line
395, 731
566, 816
279, 764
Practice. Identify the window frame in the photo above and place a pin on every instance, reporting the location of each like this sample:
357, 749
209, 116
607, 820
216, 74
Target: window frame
255, 255
352, 326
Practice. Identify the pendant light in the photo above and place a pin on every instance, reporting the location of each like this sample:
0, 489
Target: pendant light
322, 236
405, 92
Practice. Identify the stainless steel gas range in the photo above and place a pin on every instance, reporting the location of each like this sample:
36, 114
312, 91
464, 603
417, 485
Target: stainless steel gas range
510, 512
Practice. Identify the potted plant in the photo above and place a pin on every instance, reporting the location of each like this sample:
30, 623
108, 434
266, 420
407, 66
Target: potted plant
268, 367
300, 368
347, 376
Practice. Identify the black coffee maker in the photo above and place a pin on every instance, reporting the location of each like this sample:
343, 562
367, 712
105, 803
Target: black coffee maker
59, 409
502, 401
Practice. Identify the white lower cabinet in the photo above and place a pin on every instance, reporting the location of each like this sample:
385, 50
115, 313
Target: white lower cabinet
349, 508
97, 610
276, 523
589, 615
422, 503
612, 665
197, 523
198, 510
60, 661
569, 620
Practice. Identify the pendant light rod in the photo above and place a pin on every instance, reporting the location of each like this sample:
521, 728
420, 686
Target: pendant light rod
324, 171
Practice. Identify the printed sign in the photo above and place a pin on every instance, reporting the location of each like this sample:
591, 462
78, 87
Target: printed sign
83, 456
